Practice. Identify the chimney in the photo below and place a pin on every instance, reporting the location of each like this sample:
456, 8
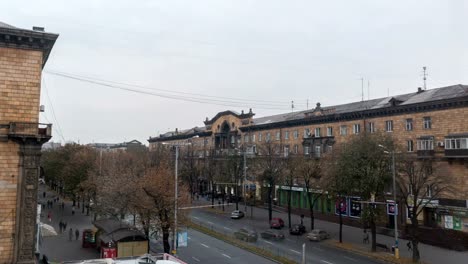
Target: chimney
420, 90
176, 131
41, 29
242, 112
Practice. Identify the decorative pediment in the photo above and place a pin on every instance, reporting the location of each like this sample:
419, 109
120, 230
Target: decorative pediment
242, 115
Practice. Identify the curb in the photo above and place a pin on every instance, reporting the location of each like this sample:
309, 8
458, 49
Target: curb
373, 255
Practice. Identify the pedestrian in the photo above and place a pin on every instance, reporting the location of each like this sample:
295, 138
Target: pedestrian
73, 210
410, 247
60, 226
70, 234
43, 194
63, 206
77, 234
64, 226
365, 237
49, 216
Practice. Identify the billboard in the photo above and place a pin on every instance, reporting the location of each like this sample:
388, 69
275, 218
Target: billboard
341, 206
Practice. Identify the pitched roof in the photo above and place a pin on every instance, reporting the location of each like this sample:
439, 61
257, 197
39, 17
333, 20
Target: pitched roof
5, 25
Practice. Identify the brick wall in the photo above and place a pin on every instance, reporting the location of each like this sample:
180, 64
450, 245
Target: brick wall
20, 77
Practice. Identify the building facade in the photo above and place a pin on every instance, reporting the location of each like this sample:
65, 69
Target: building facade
23, 54
426, 123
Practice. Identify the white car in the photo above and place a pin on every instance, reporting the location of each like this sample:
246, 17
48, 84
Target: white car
41, 181
237, 214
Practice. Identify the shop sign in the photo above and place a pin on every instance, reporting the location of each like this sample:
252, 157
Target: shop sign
392, 208
109, 252
293, 188
355, 207
341, 206
448, 221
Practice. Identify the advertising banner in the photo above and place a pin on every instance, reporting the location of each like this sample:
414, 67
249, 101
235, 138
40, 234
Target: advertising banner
341, 206
109, 252
355, 207
182, 240
392, 208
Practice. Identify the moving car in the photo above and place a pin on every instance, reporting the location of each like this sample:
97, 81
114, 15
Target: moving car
246, 234
318, 235
271, 234
297, 229
237, 214
276, 223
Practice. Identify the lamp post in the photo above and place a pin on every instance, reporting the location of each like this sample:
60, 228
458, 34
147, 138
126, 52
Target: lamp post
395, 212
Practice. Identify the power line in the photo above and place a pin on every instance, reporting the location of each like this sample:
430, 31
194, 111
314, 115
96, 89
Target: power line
53, 111
175, 97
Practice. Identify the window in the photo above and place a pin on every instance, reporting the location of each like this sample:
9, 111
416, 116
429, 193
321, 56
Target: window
259, 137
233, 139
370, 127
389, 125
278, 135
268, 137
306, 150
246, 138
286, 151
426, 144
343, 130
409, 144
356, 128
429, 191
329, 131
318, 151
409, 124
329, 148
296, 134
286, 135
427, 122
306, 133
296, 149
317, 132
254, 149
253, 138
456, 143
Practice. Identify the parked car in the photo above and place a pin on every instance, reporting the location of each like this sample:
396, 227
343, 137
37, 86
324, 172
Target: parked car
297, 229
276, 223
318, 235
246, 234
237, 214
272, 234
41, 181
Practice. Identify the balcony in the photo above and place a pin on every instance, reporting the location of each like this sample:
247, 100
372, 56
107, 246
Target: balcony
428, 153
456, 153
38, 131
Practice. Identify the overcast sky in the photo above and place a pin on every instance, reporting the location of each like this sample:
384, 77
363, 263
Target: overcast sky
255, 50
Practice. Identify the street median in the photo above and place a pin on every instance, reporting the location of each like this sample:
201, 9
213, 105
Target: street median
231, 240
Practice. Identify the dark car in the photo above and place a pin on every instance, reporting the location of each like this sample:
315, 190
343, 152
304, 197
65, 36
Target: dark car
247, 235
276, 223
237, 214
271, 234
297, 229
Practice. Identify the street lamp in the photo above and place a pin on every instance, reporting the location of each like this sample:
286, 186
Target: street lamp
395, 217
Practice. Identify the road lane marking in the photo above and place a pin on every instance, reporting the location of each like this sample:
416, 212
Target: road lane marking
226, 256
189, 237
211, 223
227, 228
196, 218
324, 261
204, 245
268, 242
297, 252
350, 258
197, 260
317, 248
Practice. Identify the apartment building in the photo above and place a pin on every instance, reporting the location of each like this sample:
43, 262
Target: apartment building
426, 123
23, 54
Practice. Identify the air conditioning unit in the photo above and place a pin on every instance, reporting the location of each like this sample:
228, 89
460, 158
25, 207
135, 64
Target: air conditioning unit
440, 143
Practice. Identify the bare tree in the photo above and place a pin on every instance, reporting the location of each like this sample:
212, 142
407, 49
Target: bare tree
292, 164
270, 166
419, 186
311, 172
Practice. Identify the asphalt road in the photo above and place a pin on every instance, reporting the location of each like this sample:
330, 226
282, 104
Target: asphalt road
291, 247
205, 249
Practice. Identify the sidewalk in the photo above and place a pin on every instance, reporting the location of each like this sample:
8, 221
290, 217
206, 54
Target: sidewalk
59, 248
352, 236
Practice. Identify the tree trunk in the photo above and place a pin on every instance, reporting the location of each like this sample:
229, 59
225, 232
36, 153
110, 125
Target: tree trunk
311, 210
373, 233
341, 226
167, 247
236, 191
270, 207
289, 206
414, 239
212, 195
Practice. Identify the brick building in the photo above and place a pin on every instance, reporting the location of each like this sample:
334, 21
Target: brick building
425, 123
23, 54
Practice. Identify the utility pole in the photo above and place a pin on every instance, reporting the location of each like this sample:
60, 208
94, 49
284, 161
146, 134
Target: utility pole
245, 181
395, 211
424, 77
362, 89
174, 250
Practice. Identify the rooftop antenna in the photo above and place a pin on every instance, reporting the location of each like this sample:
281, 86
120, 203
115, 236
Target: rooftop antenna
424, 77
292, 106
307, 103
362, 89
